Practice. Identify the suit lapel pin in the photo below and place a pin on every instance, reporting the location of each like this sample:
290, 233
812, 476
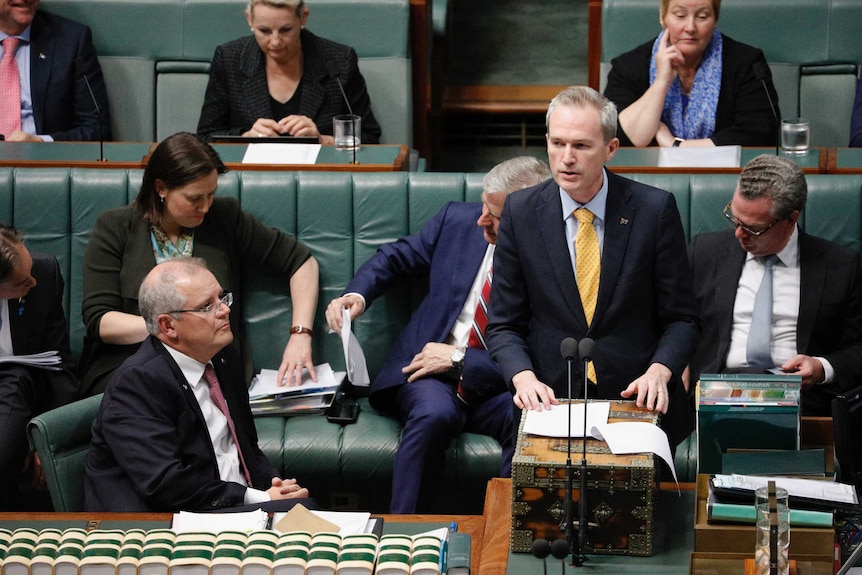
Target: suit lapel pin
42, 55
624, 221
20, 306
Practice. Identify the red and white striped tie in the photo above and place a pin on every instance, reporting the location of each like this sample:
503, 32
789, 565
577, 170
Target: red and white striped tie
480, 318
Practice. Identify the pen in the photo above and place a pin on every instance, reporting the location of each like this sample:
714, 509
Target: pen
453, 527
269, 517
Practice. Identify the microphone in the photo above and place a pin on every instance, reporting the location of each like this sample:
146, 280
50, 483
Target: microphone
541, 549
80, 70
585, 350
761, 72
560, 550
352, 115
569, 351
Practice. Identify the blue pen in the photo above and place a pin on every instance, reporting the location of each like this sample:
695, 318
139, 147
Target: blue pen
453, 527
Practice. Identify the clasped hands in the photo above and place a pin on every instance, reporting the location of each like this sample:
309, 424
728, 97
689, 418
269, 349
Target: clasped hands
293, 125
286, 489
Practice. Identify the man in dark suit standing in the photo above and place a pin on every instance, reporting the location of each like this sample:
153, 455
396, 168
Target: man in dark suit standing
31, 321
438, 379
55, 103
814, 327
631, 292
174, 430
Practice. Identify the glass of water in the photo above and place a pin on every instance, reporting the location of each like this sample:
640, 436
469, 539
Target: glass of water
794, 136
766, 531
348, 132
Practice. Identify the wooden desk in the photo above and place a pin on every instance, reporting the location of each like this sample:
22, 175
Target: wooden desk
126, 155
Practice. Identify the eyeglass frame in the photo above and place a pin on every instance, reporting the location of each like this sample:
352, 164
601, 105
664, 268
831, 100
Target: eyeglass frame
226, 299
737, 224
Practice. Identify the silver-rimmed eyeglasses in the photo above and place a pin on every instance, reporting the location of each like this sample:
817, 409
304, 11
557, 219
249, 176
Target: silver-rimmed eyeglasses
226, 298
737, 224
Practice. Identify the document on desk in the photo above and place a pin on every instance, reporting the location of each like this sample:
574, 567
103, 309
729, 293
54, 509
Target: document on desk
812, 489
49, 360
281, 154
712, 157
354, 357
624, 437
264, 384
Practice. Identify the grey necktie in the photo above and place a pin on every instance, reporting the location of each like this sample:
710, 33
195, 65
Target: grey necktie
757, 351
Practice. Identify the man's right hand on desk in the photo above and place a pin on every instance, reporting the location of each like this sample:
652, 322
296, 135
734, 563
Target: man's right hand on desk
532, 394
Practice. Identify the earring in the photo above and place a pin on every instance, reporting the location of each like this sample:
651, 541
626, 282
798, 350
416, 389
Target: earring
162, 199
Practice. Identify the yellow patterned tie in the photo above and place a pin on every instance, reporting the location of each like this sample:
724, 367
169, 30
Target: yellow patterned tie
589, 266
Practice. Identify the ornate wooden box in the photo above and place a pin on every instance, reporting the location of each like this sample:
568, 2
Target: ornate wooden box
619, 490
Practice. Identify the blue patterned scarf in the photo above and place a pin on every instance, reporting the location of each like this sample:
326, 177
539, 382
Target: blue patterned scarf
693, 117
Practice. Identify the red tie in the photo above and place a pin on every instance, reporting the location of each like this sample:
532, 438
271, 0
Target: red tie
219, 401
480, 318
10, 88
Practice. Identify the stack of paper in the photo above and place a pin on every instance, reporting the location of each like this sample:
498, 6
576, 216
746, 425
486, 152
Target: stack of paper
268, 397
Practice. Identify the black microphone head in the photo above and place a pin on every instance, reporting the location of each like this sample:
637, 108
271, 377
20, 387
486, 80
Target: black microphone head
569, 348
560, 548
541, 548
761, 70
586, 348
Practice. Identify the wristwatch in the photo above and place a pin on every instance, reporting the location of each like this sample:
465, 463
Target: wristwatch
457, 358
677, 142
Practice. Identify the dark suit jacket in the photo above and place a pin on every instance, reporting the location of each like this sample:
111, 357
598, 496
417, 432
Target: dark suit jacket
38, 324
856, 117
448, 251
830, 308
62, 105
151, 450
645, 313
237, 93
743, 117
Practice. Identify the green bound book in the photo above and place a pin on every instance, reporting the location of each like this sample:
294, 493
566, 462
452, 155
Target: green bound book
460, 547
717, 512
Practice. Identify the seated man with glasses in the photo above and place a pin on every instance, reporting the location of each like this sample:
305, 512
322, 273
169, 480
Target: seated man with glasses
174, 430
772, 296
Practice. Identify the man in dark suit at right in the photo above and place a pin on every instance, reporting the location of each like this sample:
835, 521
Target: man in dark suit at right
620, 277
814, 327
55, 103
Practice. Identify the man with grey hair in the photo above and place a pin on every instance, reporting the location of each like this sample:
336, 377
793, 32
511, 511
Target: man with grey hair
438, 379
593, 255
813, 324
174, 430
31, 321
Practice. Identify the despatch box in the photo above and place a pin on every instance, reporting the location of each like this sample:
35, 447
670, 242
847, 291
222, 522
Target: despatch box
620, 490
812, 542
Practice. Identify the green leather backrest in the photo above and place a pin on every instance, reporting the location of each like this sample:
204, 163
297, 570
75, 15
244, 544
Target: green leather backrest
343, 217
155, 55
62, 438
799, 37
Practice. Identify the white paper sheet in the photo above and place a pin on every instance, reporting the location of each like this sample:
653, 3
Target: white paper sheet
636, 437
554, 422
246, 521
281, 154
714, 157
354, 357
796, 487
264, 383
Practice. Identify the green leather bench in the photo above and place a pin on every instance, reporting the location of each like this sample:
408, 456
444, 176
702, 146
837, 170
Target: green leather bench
155, 56
812, 47
343, 217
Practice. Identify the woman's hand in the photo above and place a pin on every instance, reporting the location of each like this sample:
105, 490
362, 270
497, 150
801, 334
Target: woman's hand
264, 128
296, 125
667, 59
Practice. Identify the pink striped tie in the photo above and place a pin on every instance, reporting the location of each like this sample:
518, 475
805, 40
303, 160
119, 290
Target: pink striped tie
10, 88
219, 401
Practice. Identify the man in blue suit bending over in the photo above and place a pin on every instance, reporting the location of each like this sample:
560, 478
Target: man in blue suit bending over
438, 379
47, 58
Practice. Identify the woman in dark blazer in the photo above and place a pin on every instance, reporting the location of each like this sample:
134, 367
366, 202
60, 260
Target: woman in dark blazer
283, 80
175, 214
692, 85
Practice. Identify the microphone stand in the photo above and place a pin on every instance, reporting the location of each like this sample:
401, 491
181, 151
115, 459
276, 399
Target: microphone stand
582, 500
570, 535
352, 117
